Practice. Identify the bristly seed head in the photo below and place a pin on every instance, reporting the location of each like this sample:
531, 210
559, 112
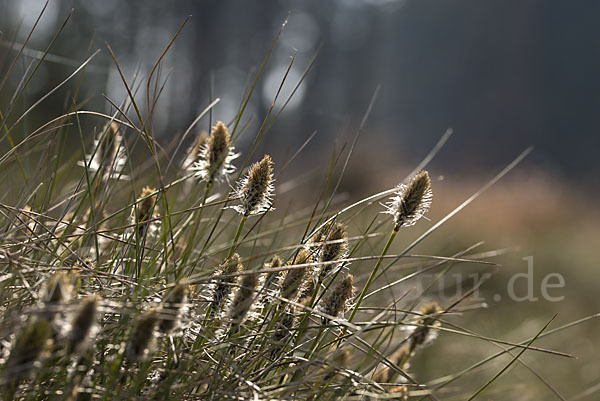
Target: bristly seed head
411, 201
145, 209
215, 155
31, 344
172, 307
330, 243
425, 332
221, 287
337, 301
83, 323
256, 189
244, 298
109, 154
294, 277
273, 280
56, 292
194, 151
57, 289
142, 336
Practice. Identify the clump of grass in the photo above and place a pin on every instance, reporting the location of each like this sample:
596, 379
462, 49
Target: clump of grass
200, 309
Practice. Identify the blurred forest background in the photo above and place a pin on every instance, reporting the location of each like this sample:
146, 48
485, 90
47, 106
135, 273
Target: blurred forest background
503, 74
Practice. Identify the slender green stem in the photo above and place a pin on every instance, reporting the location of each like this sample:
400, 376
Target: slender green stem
372, 276
198, 216
235, 244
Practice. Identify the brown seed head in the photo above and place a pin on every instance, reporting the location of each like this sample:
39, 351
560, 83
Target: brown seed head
82, 323
57, 289
172, 305
424, 332
145, 209
218, 145
222, 286
256, 189
244, 298
411, 201
399, 358
215, 155
294, 277
109, 154
142, 336
31, 344
146, 204
337, 301
109, 141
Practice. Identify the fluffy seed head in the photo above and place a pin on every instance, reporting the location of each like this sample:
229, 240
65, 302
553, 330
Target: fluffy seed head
256, 189
142, 336
273, 280
284, 329
294, 277
330, 243
57, 289
194, 151
221, 287
244, 298
82, 324
172, 306
335, 241
215, 155
411, 201
337, 301
399, 358
145, 209
109, 154
306, 290
56, 292
31, 344
424, 332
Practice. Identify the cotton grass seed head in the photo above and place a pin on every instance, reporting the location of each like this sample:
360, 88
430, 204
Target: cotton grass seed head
411, 201
215, 155
256, 189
